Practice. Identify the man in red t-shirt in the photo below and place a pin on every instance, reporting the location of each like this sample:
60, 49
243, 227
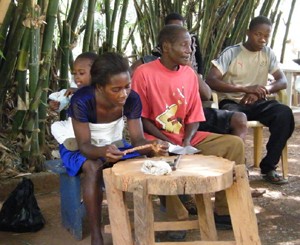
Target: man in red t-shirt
168, 89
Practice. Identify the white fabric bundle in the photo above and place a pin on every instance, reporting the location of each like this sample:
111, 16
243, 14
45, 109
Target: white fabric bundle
60, 96
156, 167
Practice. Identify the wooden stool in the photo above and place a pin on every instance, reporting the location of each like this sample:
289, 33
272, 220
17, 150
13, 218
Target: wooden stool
196, 174
71, 207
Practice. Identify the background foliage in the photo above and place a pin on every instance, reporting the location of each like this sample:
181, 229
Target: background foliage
38, 39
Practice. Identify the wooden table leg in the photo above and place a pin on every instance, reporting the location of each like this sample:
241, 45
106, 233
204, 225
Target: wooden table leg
206, 220
175, 208
241, 209
118, 212
143, 215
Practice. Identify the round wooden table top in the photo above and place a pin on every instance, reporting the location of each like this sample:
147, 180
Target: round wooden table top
195, 174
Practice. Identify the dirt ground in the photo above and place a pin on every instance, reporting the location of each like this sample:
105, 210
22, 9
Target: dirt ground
278, 210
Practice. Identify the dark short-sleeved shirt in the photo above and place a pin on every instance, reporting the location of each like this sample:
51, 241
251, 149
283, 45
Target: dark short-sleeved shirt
83, 105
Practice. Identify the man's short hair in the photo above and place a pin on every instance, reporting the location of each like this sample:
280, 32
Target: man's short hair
258, 21
169, 33
173, 16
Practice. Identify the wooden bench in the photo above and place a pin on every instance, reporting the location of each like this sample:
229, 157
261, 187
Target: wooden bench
72, 208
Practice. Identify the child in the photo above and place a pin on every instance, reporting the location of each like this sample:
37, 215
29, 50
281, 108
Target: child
82, 77
63, 130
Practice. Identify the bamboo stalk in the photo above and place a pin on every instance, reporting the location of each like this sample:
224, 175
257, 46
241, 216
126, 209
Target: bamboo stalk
31, 147
40, 98
112, 24
230, 14
64, 71
34, 52
122, 26
107, 17
10, 58
287, 30
89, 26
21, 75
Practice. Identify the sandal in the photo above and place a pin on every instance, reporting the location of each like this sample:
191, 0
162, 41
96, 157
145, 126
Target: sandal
274, 178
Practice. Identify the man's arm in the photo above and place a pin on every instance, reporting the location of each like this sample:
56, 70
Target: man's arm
204, 89
279, 83
190, 130
150, 128
215, 82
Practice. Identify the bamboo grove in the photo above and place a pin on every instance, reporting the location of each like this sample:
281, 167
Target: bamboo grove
38, 38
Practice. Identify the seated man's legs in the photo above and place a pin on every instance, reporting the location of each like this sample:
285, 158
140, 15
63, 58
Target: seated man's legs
280, 120
226, 146
92, 197
239, 125
224, 122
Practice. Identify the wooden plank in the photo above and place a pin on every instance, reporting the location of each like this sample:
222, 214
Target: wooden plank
257, 144
3, 9
118, 213
241, 209
176, 225
143, 215
199, 243
206, 219
168, 226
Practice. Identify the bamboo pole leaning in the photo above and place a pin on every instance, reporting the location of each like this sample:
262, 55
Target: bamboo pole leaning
10, 57
287, 30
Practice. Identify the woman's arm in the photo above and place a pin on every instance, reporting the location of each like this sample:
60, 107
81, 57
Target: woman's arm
83, 137
136, 133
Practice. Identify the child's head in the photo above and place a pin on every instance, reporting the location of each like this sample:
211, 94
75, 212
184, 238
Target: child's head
82, 67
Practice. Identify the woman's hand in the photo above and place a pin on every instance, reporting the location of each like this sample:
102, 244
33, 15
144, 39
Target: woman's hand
113, 154
160, 147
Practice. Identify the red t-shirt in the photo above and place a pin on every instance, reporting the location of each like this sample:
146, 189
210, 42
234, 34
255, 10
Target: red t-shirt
170, 99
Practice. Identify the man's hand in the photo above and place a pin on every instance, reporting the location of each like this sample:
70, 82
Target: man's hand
249, 99
160, 147
258, 90
186, 143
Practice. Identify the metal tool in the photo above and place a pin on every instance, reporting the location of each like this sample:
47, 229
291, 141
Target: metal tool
176, 162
